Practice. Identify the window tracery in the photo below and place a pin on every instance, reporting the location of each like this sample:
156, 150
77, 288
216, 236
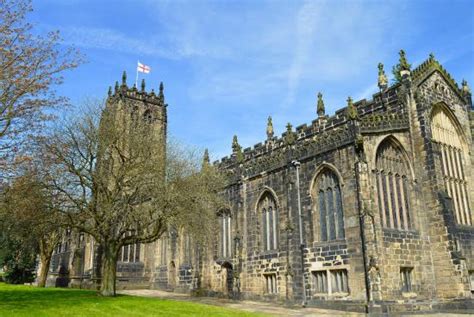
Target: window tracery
269, 213
392, 186
331, 216
445, 134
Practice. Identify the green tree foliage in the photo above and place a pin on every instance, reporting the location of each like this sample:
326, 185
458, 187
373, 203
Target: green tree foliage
29, 227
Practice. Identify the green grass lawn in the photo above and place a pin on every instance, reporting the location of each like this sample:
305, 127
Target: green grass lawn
19, 300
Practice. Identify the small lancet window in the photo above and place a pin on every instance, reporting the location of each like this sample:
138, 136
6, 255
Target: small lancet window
269, 215
225, 236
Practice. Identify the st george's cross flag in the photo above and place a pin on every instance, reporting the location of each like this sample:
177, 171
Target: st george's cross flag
142, 68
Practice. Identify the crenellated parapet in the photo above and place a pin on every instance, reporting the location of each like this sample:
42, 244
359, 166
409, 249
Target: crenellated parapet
383, 122
123, 91
320, 135
386, 112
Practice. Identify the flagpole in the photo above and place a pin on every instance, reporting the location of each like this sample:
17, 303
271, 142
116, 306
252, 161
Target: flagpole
136, 77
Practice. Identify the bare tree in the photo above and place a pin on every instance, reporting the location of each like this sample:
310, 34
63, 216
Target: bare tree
30, 68
119, 186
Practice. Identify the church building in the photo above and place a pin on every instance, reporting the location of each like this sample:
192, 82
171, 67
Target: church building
368, 208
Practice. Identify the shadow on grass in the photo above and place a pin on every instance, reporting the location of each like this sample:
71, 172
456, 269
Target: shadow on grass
19, 300
28, 298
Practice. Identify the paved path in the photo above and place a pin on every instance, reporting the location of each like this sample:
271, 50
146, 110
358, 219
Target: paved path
262, 307
245, 305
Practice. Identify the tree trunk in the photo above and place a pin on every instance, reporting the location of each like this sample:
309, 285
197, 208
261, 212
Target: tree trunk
46, 249
109, 270
43, 271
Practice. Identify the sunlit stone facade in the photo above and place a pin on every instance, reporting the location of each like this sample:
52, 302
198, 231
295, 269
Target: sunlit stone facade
370, 207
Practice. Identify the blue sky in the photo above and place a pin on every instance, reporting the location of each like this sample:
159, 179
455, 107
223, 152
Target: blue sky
228, 65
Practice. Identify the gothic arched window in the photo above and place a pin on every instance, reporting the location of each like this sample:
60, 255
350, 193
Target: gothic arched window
445, 134
225, 236
269, 215
392, 186
148, 116
329, 204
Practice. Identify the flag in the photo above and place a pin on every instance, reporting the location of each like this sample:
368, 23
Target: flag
142, 68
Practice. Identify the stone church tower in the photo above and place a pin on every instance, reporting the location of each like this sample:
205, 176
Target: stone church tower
76, 259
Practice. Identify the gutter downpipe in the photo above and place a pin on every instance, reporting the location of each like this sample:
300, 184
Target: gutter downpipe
300, 222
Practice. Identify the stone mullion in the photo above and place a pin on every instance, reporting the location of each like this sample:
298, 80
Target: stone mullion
263, 230
131, 256
267, 228
378, 179
452, 159
450, 179
221, 237
455, 199
322, 215
229, 235
461, 188
389, 201
402, 202
395, 196
460, 202
454, 187
335, 218
459, 163
330, 213
406, 194
448, 163
339, 213
386, 200
275, 233
466, 204
138, 252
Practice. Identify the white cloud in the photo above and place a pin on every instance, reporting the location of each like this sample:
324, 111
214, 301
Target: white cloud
306, 23
108, 39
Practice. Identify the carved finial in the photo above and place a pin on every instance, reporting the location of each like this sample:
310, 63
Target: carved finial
351, 109
431, 56
124, 78
290, 137
237, 149
116, 86
235, 144
143, 85
109, 93
402, 69
465, 87
320, 107
403, 61
161, 95
382, 79
269, 128
205, 159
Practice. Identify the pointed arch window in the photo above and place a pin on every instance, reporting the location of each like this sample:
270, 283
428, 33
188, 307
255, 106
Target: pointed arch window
329, 204
225, 237
452, 156
269, 215
392, 186
148, 116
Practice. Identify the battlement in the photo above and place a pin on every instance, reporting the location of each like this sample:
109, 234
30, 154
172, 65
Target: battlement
381, 113
125, 91
323, 128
